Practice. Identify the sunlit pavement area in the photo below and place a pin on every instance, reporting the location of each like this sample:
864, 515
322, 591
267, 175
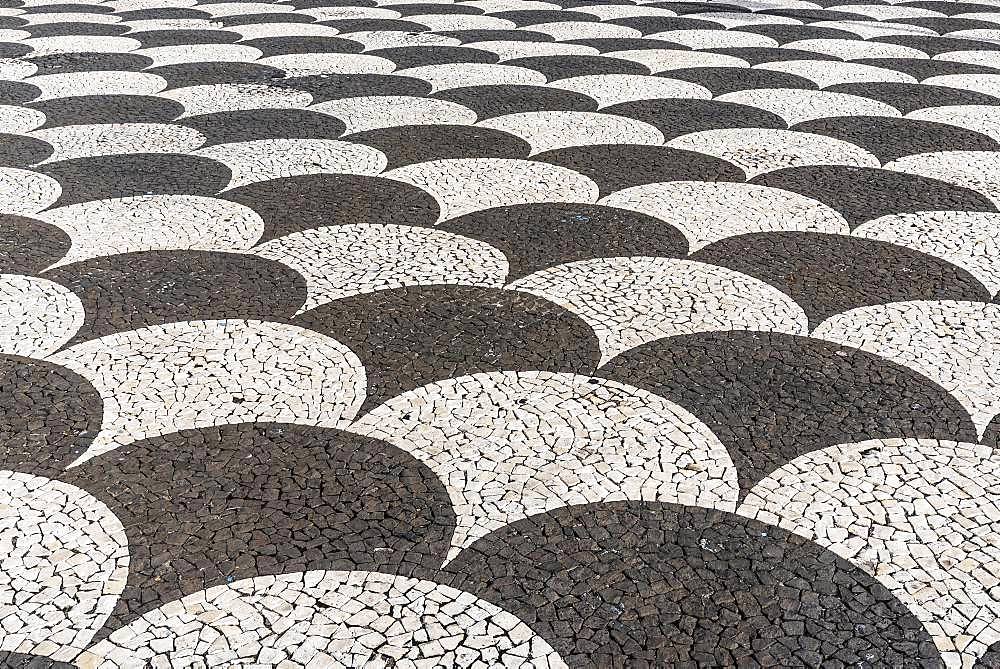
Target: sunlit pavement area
499, 333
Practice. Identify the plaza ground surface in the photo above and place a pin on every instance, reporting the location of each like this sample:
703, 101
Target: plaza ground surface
499, 333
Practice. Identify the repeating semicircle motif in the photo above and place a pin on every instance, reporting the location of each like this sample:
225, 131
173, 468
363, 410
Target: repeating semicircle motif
500, 333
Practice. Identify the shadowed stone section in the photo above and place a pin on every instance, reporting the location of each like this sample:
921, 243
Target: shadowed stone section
416, 56
862, 193
163, 13
951, 24
756, 55
156, 38
784, 34
933, 45
280, 46
409, 337
990, 659
348, 26
181, 75
68, 8
679, 117
16, 92
11, 50
922, 68
892, 138
562, 67
648, 25
328, 87
22, 661
528, 17
75, 28
722, 80
645, 584
253, 499
526, 35
421, 8
775, 396
313, 201
536, 236
135, 290
910, 97
48, 415
826, 274
103, 177
108, 109
408, 144
21, 151
609, 44
614, 166
950, 8
490, 101
682, 8
253, 124
277, 17
28, 246
313, 4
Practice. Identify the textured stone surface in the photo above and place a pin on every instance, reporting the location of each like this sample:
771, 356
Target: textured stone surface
499, 333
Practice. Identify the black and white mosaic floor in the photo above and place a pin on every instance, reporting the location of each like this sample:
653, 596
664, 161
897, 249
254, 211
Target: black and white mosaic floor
499, 333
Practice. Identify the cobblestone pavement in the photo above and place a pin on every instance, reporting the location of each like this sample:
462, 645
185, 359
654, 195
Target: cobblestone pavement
499, 333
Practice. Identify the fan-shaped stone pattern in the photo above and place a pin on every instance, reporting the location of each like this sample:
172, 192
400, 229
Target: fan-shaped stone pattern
26, 192
104, 177
536, 236
680, 117
416, 56
37, 316
328, 618
682, 586
722, 80
408, 144
347, 260
953, 342
910, 97
248, 125
21, 151
490, 101
967, 239
27, 245
413, 336
916, 514
826, 274
148, 222
48, 415
108, 109
200, 73
134, 290
862, 193
892, 138
163, 378
65, 562
707, 212
255, 499
464, 186
613, 166
509, 445
326, 87
295, 204
778, 396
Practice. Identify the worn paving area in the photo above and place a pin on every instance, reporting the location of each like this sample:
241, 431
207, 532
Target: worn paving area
499, 333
